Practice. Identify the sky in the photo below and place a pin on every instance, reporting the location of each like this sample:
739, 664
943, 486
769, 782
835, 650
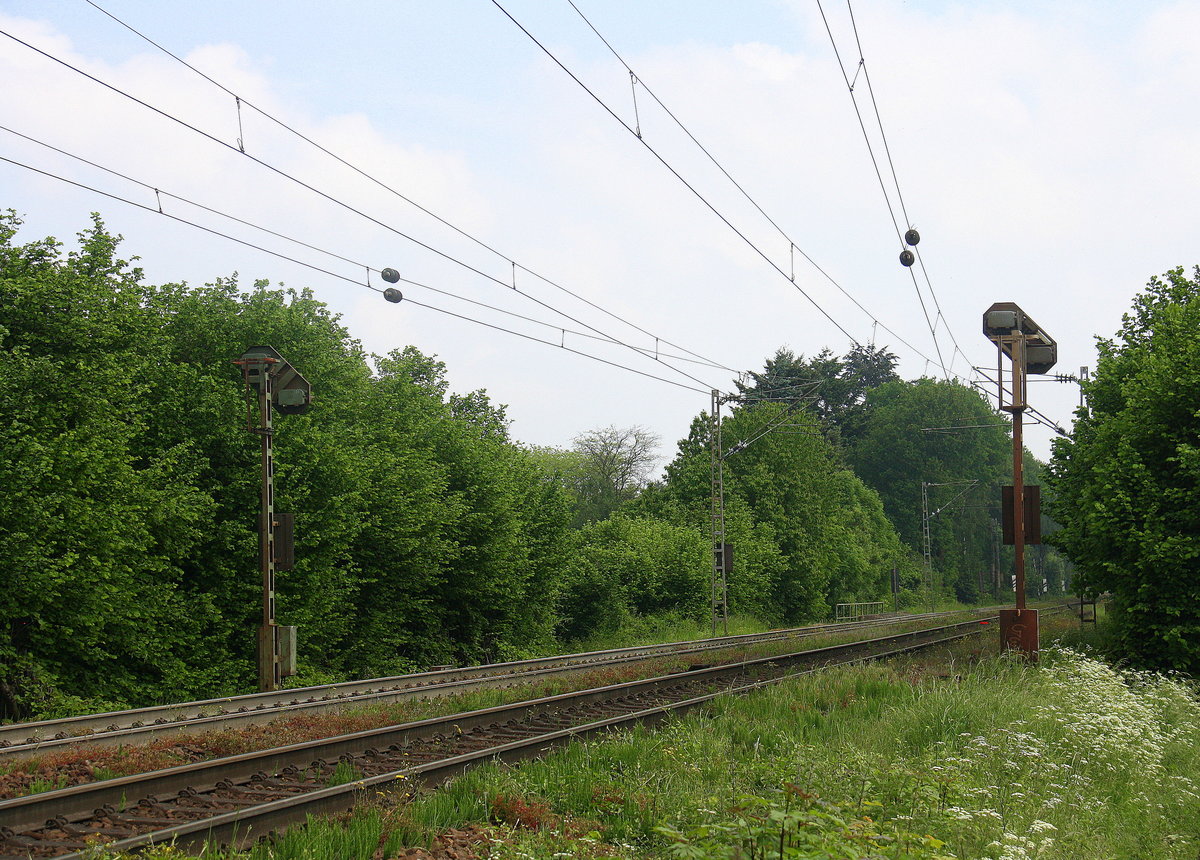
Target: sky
1045, 152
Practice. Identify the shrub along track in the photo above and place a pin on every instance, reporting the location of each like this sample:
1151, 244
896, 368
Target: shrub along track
123, 728
243, 797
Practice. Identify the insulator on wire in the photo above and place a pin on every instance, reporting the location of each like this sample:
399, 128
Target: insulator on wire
390, 275
907, 258
391, 293
912, 237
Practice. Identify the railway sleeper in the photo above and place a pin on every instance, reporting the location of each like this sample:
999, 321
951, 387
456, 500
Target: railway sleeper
35, 839
83, 830
144, 821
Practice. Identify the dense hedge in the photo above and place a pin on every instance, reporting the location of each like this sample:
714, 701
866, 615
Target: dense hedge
425, 534
127, 542
1127, 484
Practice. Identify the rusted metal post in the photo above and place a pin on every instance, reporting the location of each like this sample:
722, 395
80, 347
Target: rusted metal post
1018, 410
1019, 627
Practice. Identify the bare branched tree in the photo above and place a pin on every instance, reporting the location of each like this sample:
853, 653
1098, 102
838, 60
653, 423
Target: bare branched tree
620, 462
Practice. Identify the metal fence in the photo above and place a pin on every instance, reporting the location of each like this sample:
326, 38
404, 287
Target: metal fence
856, 611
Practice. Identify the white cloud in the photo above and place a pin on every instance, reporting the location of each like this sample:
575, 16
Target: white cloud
1046, 158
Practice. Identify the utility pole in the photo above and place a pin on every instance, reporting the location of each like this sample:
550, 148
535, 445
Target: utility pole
927, 518
277, 385
723, 551
720, 549
926, 545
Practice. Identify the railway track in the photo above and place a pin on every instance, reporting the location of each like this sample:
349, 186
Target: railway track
118, 728
241, 798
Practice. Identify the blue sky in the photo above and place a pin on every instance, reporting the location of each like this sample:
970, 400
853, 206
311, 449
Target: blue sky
1045, 152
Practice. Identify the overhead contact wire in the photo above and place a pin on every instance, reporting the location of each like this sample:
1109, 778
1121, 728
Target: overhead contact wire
341, 277
284, 174
892, 166
879, 174
674, 172
716, 163
381, 184
159, 192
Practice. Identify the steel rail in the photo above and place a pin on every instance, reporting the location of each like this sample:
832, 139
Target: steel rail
23, 740
67, 810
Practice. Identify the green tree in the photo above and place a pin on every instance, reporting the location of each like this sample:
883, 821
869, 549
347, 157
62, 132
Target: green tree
91, 530
127, 530
615, 464
1127, 483
945, 435
631, 566
832, 538
834, 389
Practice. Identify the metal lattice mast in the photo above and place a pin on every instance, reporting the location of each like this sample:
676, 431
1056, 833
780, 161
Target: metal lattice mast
927, 544
720, 593
258, 375
272, 383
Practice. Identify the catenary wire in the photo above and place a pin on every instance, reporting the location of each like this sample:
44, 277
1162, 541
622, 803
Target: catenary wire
338, 276
334, 255
879, 176
676, 173
381, 184
296, 180
517, 265
214, 139
862, 125
1036, 416
895, 179
792, 244
941, 361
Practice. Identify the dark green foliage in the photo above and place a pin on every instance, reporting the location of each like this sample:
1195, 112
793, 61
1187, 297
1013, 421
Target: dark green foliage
834, 389
912, 437
127, 526
626, 566
1127, 485
807, 533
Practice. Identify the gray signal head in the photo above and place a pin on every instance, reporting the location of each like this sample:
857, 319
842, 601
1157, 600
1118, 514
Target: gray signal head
390, 275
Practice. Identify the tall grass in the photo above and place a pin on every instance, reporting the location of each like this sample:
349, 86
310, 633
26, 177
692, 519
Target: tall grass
1066, 759
669, 627
931, 758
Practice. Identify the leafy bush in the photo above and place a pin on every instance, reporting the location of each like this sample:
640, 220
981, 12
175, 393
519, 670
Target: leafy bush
1127, 484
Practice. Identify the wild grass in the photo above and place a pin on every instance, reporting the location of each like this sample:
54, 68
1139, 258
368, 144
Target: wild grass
1068, 758
652, 629
935, 756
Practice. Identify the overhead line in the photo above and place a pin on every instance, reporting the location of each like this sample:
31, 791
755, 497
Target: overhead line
862, 125
684, 128
700, 359
338, 276
892, 166
879, 174
674, 172
380, 183
284, 174
741, 189
163, 193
